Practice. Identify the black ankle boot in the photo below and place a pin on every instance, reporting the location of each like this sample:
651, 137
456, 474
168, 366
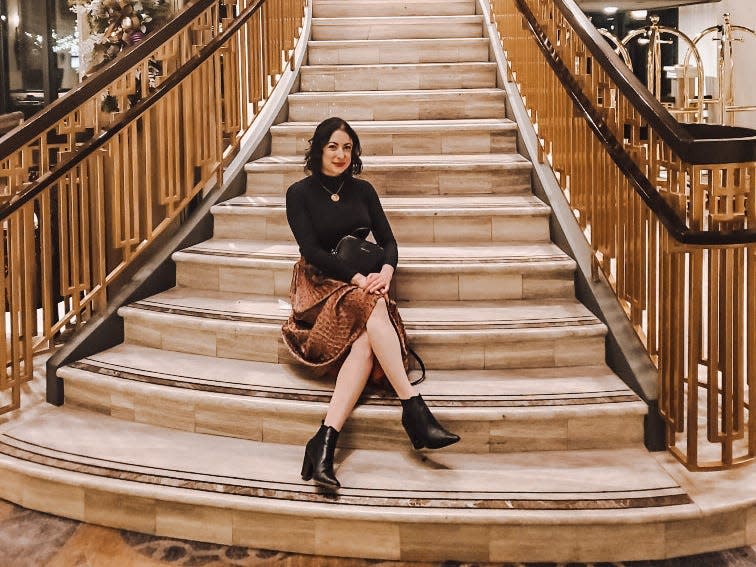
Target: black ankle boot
318, 457
423, 429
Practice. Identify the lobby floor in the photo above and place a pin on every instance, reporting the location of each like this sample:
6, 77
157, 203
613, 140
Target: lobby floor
34, 539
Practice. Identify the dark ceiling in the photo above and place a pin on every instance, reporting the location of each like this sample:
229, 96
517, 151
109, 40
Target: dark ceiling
598, 5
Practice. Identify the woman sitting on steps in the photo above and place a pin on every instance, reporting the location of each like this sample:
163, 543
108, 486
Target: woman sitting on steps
343, 322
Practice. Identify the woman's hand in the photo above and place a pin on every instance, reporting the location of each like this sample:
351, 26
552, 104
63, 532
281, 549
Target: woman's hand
381, 281
359, 280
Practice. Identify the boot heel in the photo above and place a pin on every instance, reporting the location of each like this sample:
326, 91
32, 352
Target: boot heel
417, 444
318, 457
306, 469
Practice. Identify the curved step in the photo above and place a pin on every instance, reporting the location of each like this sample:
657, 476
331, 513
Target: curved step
408, 175
442, 219
385, 77
362, 51
398, 105
339, 8
436, 272
496, 411
399, 27
586, 504
409, 137
446, 334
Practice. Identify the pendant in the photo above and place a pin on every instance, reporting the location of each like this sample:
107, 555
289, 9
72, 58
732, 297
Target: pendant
335, 198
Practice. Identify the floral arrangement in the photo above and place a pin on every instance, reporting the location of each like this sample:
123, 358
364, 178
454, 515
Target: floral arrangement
115, 25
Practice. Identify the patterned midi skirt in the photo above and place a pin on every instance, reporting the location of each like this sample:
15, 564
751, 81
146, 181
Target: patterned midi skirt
328, 315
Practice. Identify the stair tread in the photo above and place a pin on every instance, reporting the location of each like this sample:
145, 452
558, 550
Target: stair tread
439, 257
587, 485
551, 314
405, 43
320, 68
314, 43
438, 204
416, 162
401, 94
394, 20
357, 2
410, 126
472, 392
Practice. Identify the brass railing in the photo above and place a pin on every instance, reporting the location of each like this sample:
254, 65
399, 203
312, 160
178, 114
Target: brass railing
669, 212
87, 186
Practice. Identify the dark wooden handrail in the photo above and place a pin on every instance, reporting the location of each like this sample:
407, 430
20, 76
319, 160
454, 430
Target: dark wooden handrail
737, 145
36, 188
648, 192
58, 109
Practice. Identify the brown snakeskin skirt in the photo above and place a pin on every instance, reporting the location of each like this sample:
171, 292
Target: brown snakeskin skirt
328, 315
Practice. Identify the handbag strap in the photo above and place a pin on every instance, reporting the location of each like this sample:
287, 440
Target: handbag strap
421, 364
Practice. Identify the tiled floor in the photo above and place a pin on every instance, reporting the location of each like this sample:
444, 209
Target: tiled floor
33, 539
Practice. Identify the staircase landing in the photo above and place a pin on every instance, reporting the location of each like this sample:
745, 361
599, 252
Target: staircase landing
607, 505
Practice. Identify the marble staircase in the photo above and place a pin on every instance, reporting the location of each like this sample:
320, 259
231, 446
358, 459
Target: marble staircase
194, 426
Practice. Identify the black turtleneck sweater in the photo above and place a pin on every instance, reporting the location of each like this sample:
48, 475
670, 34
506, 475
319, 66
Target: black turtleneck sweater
318, 223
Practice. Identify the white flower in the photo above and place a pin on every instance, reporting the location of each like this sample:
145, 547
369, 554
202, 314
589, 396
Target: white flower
87, 49
80, 9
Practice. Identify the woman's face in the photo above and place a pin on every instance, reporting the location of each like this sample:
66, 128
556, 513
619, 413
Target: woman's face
337, 154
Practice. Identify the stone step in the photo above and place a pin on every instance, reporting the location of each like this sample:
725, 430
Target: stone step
398, 105
409, 137
403, 27
372, 51
446, 334
562, 506
495, 411
364, 8
425, 273
401, 76
442, 219
408, 175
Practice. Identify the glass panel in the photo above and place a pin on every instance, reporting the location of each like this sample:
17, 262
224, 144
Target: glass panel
26, 29
66, 49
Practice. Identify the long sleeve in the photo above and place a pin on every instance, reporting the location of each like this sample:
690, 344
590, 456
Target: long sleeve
309, 246
382, 229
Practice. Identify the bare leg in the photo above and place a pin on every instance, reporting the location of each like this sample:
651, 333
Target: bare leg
351, 380
388, 351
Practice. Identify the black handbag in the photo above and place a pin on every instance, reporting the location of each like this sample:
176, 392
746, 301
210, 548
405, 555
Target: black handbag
360, 254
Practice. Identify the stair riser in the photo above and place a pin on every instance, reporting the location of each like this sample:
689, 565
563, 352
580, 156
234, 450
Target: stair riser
336, 30
363, 9
134, 506
407, 228
409, 284
441, 142
440, 51
453, 351
387, 106
469, 77
414, 183
211, 413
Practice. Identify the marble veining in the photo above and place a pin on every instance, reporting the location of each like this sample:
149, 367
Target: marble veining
370, 398
419, 322
469, 259
301, 492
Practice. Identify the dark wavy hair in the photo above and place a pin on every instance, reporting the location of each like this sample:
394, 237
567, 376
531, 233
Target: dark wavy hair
314, 154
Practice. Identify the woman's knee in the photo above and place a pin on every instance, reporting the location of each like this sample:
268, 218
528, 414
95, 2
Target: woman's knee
361, 347
380, 312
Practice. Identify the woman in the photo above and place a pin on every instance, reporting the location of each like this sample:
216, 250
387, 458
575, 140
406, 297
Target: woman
343, 321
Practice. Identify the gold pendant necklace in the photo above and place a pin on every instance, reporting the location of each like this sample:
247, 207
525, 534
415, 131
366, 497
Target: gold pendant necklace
334, 195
